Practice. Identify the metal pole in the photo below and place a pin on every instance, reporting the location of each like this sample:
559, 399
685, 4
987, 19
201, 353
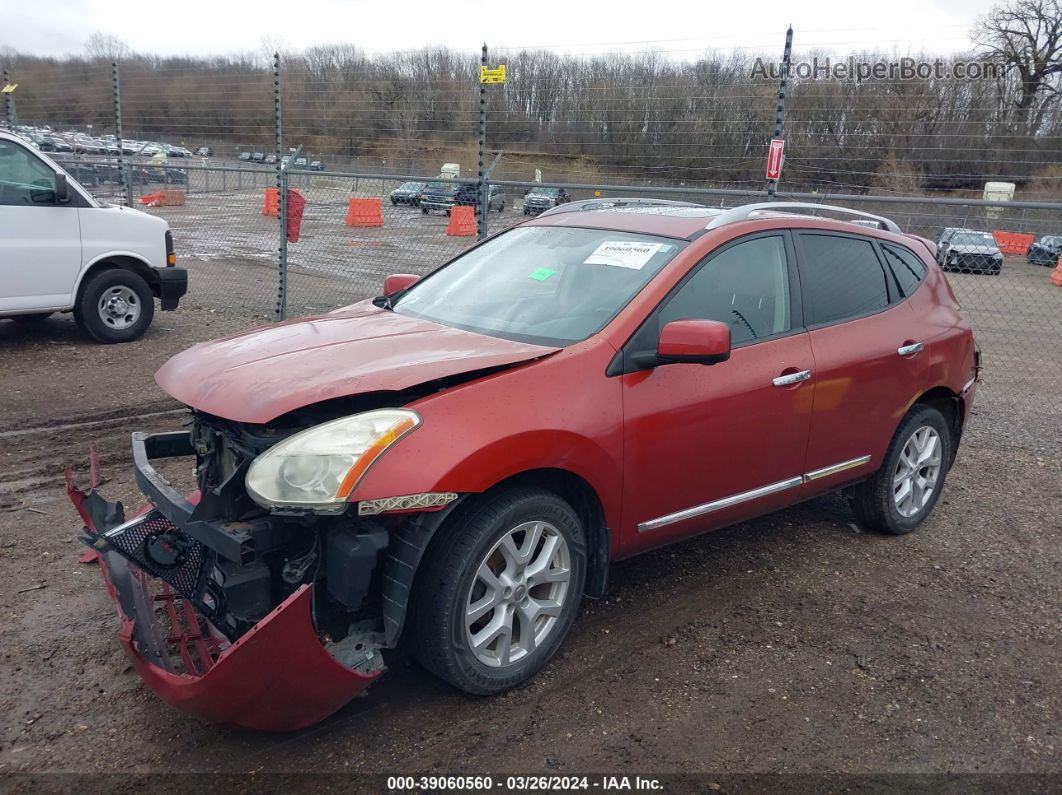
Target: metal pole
481, 211
9, 102
772, 184
280, 312
123, 190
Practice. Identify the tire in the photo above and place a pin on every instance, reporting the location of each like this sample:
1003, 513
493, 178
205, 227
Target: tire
501, 208
424, 210
394, 203
876, 502
99, 310
448, 582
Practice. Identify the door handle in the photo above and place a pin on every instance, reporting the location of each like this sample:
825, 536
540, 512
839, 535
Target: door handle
792, 378
910, 348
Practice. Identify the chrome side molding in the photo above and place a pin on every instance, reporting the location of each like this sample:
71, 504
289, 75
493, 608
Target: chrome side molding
752, 494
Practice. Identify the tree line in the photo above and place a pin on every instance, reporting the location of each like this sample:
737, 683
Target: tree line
634, 116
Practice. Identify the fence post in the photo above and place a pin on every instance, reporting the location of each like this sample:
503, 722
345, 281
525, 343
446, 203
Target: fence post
9, 102
280, 312
123, 190
482, 208
779, 113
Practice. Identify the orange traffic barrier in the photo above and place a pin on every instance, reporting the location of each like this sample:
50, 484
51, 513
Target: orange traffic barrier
1056, 276
364, 212
462, 222
1013, 242
272, 202
163, 198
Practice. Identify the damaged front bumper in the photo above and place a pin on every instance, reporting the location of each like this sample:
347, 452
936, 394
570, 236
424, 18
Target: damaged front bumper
276, 675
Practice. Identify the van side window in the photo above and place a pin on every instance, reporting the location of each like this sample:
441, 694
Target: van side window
841, 277
908, 269
25, 180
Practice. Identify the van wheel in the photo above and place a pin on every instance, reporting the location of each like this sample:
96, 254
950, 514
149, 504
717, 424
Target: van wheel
424, 210
902, 493
496, 596
501, 208
115, 306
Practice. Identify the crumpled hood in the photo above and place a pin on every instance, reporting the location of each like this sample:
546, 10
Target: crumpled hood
257, 375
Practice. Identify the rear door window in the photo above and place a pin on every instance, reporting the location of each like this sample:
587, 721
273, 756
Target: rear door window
841, 277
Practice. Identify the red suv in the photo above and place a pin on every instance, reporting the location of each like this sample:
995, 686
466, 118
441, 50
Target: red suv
456, 463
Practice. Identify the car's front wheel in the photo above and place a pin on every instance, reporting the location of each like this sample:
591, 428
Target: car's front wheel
115, 306
902, 493
498, 590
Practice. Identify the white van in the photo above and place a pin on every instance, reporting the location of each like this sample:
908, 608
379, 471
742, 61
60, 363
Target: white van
63, 251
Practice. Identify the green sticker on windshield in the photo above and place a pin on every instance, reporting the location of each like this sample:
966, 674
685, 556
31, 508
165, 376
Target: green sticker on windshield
541, 274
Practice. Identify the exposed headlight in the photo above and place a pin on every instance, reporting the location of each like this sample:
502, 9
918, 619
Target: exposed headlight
319, 468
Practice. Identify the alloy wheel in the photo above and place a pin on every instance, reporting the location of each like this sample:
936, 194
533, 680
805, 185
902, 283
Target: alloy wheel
917, 471
519, 590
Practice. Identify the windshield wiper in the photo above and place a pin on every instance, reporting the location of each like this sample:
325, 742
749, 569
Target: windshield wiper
383, 301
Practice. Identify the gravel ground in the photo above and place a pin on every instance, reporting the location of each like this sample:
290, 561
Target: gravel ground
796, 643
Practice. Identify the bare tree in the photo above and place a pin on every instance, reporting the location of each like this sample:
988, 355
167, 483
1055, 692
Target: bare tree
103, 46
1025, 37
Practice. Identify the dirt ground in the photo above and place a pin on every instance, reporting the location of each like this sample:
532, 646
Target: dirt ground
796, 643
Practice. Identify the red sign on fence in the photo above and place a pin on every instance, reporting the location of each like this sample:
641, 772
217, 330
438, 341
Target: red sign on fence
774, 159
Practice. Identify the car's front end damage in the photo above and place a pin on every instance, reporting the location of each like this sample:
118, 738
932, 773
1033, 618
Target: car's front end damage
227, 610
263, 594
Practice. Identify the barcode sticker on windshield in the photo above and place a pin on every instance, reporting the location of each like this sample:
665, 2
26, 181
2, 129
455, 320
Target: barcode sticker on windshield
623, 254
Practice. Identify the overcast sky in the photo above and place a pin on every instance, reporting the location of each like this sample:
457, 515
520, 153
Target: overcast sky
682, 28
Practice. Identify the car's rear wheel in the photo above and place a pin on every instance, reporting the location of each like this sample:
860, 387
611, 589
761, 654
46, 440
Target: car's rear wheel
115, 306
498, 591
501, 208
424, 210
903, 492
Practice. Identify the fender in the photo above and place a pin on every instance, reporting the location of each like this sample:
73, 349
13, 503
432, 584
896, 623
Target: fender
119, 258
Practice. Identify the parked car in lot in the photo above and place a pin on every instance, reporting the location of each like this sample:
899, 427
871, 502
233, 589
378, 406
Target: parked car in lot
408, 193
258, 157
204, 151
246, 156
271, 158
1045, 250
969, 251
538, 200
62, 251
165, 175
316, 165
455, 463
445, 196
81, 170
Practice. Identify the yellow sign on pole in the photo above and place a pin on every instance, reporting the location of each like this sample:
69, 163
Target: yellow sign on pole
10, 87
492, 75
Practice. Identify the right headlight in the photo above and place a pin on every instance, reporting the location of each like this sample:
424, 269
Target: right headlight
319, 468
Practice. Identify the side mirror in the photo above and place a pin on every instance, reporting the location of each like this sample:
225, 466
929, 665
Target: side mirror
62, 189
694, 341
399, 281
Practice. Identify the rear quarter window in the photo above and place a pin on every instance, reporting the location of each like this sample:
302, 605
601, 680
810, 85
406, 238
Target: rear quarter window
907, 268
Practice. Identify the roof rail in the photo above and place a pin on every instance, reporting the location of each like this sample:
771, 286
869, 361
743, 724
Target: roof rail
743, 212
611, 204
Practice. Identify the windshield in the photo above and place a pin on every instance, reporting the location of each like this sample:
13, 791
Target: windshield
547, 285
546, 191
411, 186
974, 239
1051, 240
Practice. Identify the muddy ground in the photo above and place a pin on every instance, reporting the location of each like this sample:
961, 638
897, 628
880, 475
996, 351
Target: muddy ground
793, 643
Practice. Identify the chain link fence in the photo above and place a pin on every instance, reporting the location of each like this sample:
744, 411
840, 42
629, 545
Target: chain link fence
378, 149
